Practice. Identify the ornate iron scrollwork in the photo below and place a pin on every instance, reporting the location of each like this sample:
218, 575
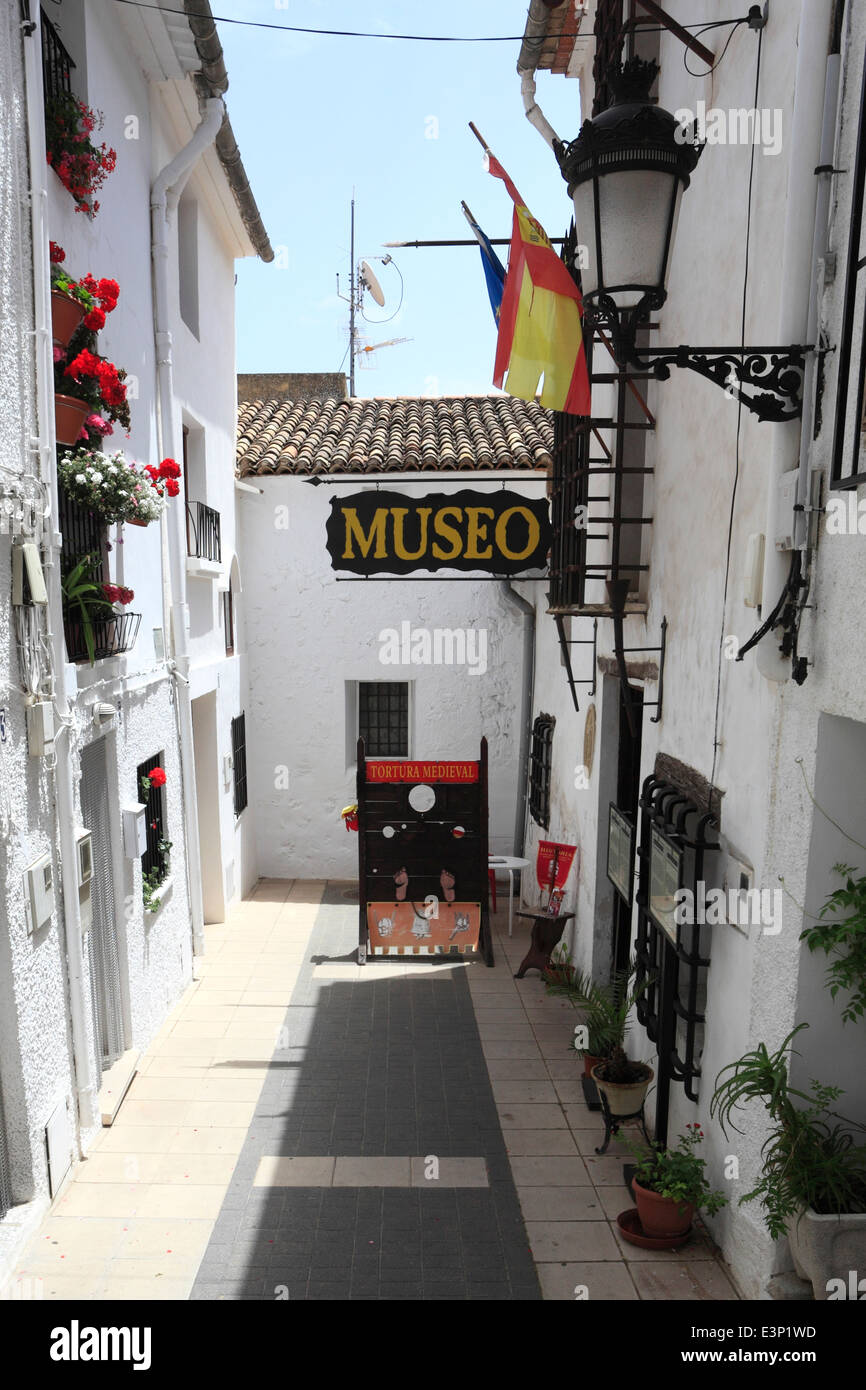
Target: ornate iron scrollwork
779, 371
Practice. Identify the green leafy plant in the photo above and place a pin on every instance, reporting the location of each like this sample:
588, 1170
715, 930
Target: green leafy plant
150, 882
677, 1173
607, 1008
807, 1160
844, 937
83, 594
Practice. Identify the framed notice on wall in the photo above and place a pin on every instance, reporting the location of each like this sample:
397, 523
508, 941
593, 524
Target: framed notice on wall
620, 852
665, 877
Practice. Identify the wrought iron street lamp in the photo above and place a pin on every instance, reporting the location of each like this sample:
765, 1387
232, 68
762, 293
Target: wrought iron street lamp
626, 172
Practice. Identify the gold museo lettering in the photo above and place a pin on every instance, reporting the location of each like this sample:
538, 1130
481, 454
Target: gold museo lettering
467, 538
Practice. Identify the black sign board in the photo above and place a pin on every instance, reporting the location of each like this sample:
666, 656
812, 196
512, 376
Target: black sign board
375, 532
665, 878
620, 852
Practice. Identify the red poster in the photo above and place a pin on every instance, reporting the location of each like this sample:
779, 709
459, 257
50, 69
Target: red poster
549, 854
421, 772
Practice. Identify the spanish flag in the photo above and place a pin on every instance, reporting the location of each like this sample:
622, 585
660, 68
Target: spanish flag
539, 323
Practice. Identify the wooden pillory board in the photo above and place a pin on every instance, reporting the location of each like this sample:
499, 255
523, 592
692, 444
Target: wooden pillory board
414, 918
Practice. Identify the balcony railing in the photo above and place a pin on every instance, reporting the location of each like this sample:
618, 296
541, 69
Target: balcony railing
56, 63
111, 636
203, 532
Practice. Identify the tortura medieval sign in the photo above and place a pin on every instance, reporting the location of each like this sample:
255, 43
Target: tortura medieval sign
387, 532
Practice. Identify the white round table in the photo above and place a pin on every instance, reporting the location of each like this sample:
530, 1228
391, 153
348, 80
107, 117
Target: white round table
507, 863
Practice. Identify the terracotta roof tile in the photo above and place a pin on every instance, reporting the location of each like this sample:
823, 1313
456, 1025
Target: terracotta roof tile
400, 435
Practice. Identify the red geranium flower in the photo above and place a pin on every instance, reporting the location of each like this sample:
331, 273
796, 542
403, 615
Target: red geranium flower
56, 253
95, 319
157, 777
169, 469
171, 487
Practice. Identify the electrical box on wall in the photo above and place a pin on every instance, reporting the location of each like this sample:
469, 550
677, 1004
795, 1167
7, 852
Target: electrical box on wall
28, 581
39, 893
787, 496
40, 728
134, 831
753, 580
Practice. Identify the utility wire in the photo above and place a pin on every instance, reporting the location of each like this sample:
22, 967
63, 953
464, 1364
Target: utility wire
372, 34
737, 444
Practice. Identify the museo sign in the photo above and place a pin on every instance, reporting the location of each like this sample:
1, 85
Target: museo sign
501, 533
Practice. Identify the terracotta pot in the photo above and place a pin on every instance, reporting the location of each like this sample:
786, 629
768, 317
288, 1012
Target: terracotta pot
130, 521
69, 415
589, 1061
66, 315
623, 1099
661, 1216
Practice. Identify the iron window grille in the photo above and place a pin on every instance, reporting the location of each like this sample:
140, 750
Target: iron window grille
112, 635
83, 532
540, 767
239, 761
383, 718
846, 470
229, 620
154, 857
203, 531
56, 63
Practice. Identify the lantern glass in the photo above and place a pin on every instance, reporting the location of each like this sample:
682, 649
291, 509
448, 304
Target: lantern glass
638, 212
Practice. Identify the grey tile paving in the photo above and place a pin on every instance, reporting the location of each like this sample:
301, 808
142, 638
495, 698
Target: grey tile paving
377, 1067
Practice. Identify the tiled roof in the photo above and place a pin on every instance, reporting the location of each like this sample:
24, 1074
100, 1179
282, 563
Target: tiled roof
401, 434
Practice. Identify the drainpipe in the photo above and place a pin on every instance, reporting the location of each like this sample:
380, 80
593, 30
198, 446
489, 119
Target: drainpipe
517, 600
165, 192
797, 251
86, 1083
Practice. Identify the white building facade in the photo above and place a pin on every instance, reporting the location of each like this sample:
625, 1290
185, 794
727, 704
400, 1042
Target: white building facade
94, 960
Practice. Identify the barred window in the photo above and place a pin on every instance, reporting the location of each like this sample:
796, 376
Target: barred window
540, 763
156, 854
383, 718
239, 759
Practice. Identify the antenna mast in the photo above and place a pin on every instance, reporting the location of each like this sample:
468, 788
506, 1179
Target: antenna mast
352, 303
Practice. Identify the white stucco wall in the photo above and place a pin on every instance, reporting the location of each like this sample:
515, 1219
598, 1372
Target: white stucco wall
307, 634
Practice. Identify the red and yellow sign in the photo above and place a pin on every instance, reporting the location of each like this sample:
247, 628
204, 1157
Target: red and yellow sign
421, 772
406, 930
550, 853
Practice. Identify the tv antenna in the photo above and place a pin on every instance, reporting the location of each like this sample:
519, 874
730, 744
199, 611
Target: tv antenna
362, 278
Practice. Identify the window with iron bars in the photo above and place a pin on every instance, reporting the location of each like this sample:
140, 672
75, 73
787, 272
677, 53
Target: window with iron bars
57, 65
540, 766
383, 718
239, 760
155, 857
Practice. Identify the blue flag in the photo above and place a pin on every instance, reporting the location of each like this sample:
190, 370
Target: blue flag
494, 270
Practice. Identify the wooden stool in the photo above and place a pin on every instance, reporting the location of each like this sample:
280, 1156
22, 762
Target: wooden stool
546, 933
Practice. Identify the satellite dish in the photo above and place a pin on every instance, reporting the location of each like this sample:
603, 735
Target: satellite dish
369, 279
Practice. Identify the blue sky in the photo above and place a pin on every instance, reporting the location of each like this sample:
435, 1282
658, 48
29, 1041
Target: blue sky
316, 117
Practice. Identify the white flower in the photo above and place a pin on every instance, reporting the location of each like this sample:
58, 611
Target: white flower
80, 478
97, 477
112, 471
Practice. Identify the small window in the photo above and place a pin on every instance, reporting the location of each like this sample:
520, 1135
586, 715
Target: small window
540, 763
383, 718
187, 261
228, 603
239, 759
154, 861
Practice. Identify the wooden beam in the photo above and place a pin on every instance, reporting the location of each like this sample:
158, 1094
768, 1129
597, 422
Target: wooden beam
678, 31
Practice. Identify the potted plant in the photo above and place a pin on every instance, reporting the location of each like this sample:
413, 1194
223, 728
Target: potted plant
85, 601
813, 1181
86, 385
607, 1008
81, 166
116, 488
670, 1185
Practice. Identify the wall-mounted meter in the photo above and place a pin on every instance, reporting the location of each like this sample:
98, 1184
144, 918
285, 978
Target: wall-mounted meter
134, 831
39, 893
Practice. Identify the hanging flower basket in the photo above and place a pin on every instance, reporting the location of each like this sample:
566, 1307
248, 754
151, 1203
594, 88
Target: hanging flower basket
66, 315
81, 165
116, 488
69, 416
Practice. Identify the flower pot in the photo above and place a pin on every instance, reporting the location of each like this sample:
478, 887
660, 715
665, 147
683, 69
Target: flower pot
661, 1216
590, 1061
623, 1099
133, 521
69, 415
826, 1248
66, 315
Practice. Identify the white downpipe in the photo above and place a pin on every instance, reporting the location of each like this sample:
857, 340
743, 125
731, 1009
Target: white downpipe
86, 1082
164, 195
534, 113
795, 292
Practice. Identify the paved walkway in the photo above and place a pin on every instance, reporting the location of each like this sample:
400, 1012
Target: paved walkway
303, 1128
